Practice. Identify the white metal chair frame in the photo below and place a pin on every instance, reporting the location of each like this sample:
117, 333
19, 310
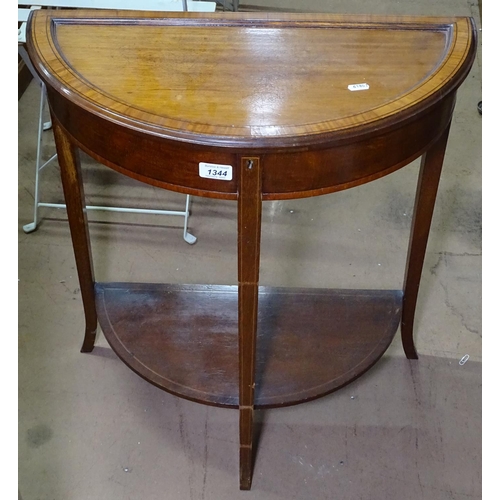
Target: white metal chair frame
171, 5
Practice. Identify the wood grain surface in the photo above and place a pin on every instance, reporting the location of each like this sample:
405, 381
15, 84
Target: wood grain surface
244, 79
184, 338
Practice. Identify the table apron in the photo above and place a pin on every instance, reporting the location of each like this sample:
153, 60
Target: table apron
286, 174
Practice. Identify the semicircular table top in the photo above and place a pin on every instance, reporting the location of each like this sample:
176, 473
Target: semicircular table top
250, 77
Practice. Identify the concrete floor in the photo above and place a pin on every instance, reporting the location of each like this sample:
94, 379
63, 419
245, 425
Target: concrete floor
89, 428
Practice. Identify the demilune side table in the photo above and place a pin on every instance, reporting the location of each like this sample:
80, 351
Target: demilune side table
250, 107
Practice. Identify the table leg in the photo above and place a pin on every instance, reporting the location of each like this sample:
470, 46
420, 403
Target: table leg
71, 176
428, 181
249, 229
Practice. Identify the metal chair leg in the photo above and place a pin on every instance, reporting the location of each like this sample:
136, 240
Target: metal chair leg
28, 228
188, 237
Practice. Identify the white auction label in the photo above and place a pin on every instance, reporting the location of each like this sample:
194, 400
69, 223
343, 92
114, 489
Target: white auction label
216, 171
358, 86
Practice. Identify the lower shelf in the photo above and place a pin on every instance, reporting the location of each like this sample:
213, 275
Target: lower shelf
184, 338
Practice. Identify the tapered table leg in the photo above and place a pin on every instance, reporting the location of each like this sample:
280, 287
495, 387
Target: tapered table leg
428, 181
249, 228
71, 176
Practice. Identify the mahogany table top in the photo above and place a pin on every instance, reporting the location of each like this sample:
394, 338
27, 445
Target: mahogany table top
251, 79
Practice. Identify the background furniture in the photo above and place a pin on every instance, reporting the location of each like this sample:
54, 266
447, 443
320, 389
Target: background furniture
145, 5
299, 121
